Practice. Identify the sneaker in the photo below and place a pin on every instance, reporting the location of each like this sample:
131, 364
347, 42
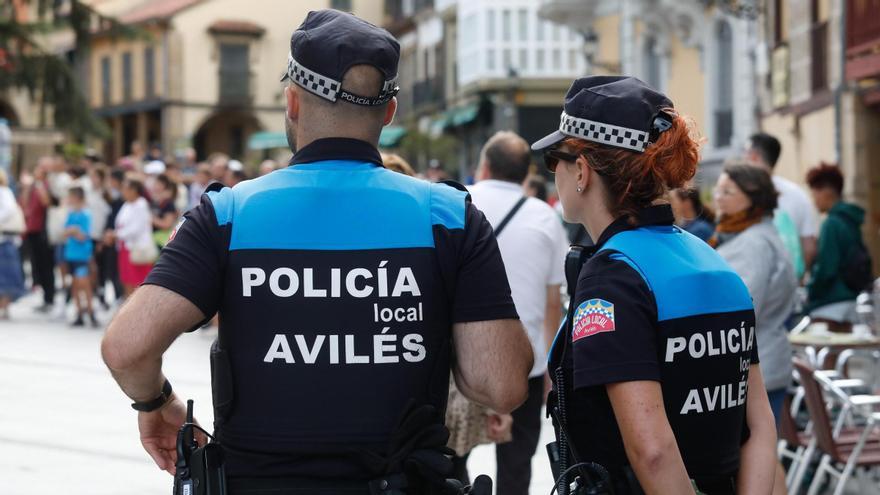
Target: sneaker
78, 322
43, 308
94, 321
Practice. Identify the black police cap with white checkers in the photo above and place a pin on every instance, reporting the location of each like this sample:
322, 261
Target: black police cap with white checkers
617, 111
328, 43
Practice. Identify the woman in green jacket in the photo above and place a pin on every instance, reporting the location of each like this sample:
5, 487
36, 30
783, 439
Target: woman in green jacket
830, 297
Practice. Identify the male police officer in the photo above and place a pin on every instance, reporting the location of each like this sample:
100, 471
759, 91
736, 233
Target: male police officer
337, 284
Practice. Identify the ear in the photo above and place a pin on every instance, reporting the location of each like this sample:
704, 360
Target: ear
292, 110
584, 173
390, 110
483, 172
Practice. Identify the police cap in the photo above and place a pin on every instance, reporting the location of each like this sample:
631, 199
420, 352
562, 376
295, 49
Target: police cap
328, 43
617, 111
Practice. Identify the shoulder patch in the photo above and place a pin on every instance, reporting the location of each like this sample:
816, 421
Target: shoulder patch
592, 317
176, 228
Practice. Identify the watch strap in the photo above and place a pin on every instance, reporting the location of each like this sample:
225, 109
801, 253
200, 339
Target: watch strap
152, 405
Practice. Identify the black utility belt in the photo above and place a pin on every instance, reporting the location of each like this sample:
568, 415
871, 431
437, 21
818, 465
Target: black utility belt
625, 482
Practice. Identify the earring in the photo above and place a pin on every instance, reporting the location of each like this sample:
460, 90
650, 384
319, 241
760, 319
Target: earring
578, 189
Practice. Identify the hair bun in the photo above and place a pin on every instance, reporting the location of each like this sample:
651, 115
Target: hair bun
674, 157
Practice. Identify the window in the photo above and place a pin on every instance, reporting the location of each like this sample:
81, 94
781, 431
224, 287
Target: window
508, 59
523, 59
540, 32
573, 61
723, 85
505, 25
234, 73
557, 60
490, 59
539, 60
651, 63
343, 5
818, 47
149, 72
555, 31
490, 25
105, 81
523, 24
126, 76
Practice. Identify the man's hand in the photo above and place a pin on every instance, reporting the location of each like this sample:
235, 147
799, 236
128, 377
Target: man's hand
159, 432
498, 427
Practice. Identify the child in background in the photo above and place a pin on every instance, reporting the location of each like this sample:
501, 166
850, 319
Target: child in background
78, 254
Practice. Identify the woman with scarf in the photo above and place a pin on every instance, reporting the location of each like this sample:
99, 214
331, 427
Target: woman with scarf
747, 239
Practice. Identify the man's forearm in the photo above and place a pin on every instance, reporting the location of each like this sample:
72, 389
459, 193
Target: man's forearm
142, 382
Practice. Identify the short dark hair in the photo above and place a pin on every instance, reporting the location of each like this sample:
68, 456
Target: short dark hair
826, 175
507, 156
77, 192
137, 185
117, 175
768, 146
166, 182
756, 183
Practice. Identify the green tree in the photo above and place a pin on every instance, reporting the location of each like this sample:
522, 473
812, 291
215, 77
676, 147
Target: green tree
51, 79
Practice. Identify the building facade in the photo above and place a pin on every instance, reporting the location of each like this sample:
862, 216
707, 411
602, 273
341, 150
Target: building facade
471, 68
206, 74
821, 95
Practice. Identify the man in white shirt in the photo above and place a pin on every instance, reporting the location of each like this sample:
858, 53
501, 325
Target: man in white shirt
764, 151
533, 246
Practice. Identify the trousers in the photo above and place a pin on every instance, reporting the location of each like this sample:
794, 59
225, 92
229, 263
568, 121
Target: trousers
515, 458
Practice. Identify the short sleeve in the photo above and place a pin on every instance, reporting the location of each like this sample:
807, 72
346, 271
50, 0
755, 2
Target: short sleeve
614, 331
808, 226
482, 291
192, 263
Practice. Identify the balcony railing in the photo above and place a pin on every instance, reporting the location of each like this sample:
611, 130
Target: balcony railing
235, 88
427, 92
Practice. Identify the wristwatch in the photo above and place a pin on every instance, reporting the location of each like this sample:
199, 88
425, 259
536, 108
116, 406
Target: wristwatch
152, 405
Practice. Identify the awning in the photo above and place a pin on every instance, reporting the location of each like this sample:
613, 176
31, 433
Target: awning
463, 115
391, 136
267, 140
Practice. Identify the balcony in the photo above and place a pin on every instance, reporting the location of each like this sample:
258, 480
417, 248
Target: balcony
863, 39
235, 88
427, 92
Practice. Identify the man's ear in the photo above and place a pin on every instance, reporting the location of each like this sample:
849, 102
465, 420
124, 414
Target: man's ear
390, 110
292, 95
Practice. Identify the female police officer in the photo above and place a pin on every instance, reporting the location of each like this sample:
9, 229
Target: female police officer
655, 373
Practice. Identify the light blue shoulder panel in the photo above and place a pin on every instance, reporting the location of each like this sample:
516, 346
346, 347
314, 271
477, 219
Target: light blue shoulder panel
686, 275
338, 205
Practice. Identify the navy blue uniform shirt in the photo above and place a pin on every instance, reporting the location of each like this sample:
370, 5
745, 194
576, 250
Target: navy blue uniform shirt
337, 283
656, 303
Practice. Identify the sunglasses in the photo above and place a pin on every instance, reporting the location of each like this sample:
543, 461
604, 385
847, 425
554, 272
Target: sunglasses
553, 156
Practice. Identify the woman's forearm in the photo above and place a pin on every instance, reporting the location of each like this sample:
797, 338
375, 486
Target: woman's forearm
758, 455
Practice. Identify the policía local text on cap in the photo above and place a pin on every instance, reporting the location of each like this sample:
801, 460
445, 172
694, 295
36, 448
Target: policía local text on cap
617, 111
330, 42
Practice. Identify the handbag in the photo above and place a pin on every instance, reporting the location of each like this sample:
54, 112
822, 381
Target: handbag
14, 225
56, 217
144, 255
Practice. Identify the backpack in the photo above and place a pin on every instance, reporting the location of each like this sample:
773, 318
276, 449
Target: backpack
856, 269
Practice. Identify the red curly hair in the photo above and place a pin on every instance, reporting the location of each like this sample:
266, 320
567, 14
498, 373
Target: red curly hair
636, 180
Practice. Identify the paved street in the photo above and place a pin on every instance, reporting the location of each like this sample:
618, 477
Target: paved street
66, 429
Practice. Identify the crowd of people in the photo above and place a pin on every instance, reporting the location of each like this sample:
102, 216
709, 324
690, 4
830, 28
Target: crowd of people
91, 232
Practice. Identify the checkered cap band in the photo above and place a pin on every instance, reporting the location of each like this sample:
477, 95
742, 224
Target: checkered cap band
599, 132
312, 81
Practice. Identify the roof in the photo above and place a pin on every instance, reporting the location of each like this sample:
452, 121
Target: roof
155, 10
236, 27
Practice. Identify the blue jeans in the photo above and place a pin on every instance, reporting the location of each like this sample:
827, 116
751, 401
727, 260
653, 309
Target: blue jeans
777, 399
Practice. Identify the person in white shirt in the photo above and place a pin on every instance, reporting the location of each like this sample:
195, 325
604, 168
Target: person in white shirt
764, 151
533, 246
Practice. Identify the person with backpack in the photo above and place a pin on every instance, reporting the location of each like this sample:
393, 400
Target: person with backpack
843, 266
